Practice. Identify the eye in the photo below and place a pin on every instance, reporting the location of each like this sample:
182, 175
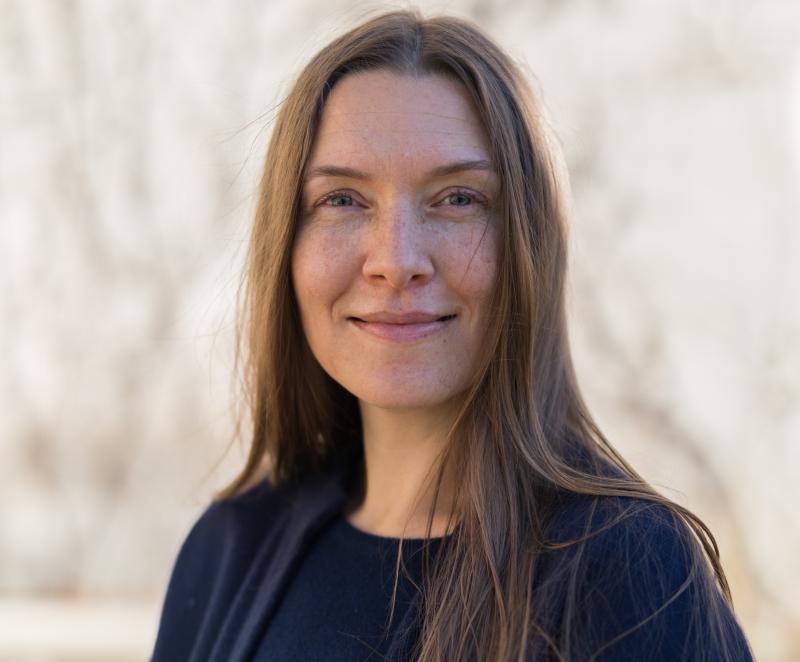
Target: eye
462, 198
459, 199
337, 199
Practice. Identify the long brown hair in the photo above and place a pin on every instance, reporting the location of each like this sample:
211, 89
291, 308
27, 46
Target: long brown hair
524, 435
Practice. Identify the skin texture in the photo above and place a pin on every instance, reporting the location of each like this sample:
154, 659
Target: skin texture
385, 229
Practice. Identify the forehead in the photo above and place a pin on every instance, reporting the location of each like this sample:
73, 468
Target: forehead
381, 116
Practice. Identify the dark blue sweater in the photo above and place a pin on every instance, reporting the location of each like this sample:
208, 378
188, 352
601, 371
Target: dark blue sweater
279, 574
338, 604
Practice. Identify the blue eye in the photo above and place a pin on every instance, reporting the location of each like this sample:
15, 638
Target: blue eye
459, 199
339, 200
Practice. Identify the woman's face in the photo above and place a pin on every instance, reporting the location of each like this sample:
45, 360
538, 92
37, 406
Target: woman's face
395, 260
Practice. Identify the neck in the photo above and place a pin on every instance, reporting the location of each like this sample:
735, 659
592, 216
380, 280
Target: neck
402, 453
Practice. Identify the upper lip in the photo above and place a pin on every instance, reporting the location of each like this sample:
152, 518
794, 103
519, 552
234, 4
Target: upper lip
411, 317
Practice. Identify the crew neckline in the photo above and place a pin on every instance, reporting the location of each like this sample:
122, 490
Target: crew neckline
354, 532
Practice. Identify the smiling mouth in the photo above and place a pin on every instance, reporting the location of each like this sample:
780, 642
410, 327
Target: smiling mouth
402, 332
444, 318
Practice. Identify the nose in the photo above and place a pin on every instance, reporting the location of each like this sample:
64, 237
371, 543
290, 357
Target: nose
398, 249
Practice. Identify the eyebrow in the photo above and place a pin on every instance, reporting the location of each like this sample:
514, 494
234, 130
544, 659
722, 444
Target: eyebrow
439, 171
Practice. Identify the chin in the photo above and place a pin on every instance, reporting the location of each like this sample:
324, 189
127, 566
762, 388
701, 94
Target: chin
405, 402
419, 395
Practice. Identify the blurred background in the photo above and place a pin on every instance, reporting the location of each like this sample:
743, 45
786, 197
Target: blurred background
131, 138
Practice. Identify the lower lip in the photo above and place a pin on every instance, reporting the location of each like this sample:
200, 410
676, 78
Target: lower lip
402, 332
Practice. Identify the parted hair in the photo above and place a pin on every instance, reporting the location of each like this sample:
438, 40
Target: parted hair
523, 442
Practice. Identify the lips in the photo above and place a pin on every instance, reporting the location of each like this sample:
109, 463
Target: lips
402, 327
414, 317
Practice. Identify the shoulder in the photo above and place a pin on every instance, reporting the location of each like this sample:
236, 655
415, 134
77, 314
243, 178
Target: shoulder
627, 532
229, 531
237, 521
212, 562
628, 552
637, 584
635, 557
246, 507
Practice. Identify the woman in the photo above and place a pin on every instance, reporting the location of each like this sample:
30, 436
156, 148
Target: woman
424, 480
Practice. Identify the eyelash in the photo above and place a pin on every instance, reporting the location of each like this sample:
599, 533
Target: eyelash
475, 198
331, 195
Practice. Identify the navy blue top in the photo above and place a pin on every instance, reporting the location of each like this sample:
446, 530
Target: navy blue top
337, 605
277, 573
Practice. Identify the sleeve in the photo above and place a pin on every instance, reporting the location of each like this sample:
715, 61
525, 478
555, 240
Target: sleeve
642, 596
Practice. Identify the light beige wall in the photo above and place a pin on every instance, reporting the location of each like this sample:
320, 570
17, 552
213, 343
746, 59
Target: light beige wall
131, 135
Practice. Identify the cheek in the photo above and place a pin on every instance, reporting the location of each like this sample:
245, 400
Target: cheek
471, 264
323, 267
